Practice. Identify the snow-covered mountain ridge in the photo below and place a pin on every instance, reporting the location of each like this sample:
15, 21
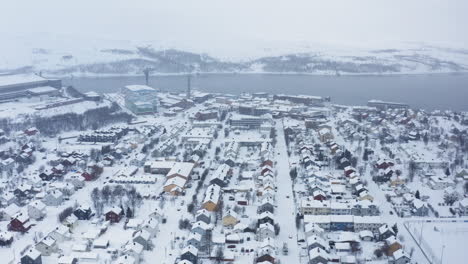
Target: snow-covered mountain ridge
99, 58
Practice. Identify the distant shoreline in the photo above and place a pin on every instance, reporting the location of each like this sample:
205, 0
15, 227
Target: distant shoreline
102, 76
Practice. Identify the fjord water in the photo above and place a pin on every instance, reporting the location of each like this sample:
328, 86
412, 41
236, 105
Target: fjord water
427, 91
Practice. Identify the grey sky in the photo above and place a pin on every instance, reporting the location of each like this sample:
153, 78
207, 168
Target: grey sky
217, 22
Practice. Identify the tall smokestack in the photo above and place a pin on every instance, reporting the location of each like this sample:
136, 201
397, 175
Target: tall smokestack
188, 86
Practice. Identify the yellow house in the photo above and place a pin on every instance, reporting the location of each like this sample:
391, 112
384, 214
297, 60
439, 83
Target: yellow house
397, 182
210, 206
211, 200
230, 218
175, 186
366, 196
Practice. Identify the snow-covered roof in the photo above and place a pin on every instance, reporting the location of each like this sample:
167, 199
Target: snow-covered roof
318, 252
400, 253
32, 253
42, 89
181, 168
193, 250
136, 88
10, 80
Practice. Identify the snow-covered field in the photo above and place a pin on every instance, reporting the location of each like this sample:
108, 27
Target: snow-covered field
442, 241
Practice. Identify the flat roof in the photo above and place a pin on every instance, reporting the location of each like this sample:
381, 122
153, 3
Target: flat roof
42, 89
138, 87
17, 79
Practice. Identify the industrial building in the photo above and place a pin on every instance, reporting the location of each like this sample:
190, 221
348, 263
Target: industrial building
140, 99
385, 105
25, 85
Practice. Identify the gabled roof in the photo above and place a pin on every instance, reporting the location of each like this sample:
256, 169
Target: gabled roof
32, 253
191, 249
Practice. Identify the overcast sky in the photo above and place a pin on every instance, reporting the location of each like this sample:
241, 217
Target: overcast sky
213, 23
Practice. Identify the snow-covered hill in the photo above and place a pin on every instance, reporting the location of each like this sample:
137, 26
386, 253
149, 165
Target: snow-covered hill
65, 56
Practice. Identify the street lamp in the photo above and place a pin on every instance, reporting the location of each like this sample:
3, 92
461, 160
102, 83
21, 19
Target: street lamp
442, 255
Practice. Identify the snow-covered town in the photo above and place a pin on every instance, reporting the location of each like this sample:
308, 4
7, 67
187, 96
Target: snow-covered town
147, 176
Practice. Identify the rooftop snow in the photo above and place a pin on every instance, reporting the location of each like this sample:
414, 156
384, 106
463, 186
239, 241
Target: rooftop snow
10, 80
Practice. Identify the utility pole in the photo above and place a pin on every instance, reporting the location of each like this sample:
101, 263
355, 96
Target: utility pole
442, 255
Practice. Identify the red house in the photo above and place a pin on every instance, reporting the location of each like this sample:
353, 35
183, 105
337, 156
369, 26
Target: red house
87, 176
20, 223
266, 258
383, 164
267, 163
114, 214
58, 170
348, 170
319, 195
31, 131
266, 169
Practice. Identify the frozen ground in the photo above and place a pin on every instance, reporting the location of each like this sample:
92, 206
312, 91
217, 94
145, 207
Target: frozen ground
442, 241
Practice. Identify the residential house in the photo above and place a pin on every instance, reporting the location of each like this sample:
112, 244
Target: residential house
266, 206
47, 246
194, 239
399, 257
175, 185
20, 222
6, 238
392, 245
114, 214
31, 256
265, 230
203, 215
83, 212
366, 235
318, 256
212, 196
315, 207
341, 223
190, 253
463, 207
36, 210
420, 208
135, 250
385, 231
315, 241
70, 222
230, 218
7, 198
143, 238
60, 233
311, 229
151, 226
180, 169
440, 183
265, 217
53, 198
200, 227
370, 223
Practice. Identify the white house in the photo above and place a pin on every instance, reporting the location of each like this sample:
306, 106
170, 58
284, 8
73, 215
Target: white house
265, 230
47, 246
36, 210
53, 198
463, 206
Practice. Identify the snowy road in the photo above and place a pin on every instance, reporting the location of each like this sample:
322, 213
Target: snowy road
286, 210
